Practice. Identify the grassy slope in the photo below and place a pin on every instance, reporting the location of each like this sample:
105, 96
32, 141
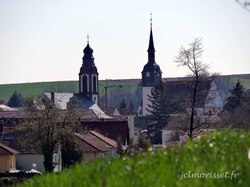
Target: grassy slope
35, 89
218, 152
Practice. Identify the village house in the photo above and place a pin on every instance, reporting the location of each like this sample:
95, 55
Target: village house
7, 158
94, 145
28, 156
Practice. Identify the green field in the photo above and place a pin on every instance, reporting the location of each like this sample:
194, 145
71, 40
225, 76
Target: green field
217, 159
117, 89
35, 89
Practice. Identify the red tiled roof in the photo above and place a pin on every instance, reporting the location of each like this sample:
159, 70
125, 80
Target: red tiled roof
104, 138
94, 141
114, 129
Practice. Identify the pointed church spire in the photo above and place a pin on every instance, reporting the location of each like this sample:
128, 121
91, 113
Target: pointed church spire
151, 48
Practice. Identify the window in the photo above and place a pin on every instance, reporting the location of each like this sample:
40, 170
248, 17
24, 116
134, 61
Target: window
94, 84
147, 74
8, 137
1, 126
84, 84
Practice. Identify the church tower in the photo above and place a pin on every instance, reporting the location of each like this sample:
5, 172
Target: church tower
151, 73
88, 76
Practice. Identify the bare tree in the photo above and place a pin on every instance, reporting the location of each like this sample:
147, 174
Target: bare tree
45, 126
245, 4
191, 58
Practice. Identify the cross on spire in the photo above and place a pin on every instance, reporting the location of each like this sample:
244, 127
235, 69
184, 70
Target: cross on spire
88, 38
151, 22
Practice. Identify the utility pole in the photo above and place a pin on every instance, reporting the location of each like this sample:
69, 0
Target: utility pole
106, 86
106, 93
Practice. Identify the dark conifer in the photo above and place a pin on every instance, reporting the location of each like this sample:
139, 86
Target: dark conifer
16, 100
158, 112
234, 101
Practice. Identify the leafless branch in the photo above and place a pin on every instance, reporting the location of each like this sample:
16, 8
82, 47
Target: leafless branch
244, 4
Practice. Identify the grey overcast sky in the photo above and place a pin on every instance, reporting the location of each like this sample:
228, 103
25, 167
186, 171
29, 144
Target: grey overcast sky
43, 40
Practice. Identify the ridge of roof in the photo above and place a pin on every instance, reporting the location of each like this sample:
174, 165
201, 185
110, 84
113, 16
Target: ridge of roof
8, 149
94, 144
104, 138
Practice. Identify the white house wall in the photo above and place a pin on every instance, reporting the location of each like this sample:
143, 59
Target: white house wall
60, 99
25, 161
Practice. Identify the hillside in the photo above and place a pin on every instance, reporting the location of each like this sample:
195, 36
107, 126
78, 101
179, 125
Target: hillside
128, 89
218, 159
117, 89
37, 88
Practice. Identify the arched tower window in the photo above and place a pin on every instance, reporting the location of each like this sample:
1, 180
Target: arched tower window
84, 84
94, 84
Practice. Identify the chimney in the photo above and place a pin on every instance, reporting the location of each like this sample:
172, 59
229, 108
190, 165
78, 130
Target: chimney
53, 97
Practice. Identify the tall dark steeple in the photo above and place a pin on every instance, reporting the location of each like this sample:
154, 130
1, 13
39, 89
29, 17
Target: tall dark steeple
151, 73
88, 76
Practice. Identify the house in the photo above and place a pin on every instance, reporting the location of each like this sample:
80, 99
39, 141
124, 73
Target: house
209, 101
62, 100
115, 129
94, 145
7, 158
29, 156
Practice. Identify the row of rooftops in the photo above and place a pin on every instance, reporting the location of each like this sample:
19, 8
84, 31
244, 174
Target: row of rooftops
82, 114
110, 127
93, 138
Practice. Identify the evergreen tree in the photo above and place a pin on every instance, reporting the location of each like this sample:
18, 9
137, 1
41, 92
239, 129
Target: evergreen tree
131, 108
234, 101
123, 106
237, 109
158, 112
16, 100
